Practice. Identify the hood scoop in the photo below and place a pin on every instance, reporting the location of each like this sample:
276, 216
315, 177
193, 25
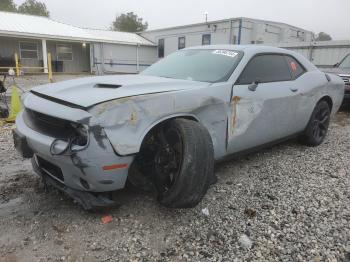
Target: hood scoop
109, 86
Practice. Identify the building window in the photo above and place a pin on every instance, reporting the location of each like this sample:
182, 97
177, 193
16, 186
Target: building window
64, 52
161, 48
182, 42
294, 33
234, 39
28, 50
206, 39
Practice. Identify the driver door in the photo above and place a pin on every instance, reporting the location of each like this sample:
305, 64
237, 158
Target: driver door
263, 103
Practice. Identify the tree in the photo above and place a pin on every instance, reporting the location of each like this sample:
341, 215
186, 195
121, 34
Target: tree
322, 36
8, 5
33, 7
129, 22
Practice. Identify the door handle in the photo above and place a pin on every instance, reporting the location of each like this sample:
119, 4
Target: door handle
293, 89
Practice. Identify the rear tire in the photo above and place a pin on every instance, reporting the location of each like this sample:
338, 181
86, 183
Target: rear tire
317, 128
183, 163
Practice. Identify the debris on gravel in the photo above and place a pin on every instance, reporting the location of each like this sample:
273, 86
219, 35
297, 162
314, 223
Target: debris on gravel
245, 241
205, 211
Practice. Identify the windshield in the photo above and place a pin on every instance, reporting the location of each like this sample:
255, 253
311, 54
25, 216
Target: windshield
345, 63
197, 65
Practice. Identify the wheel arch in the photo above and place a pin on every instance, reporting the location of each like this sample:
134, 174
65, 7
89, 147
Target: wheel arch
193, 165
308, 136
164, 120
329, 101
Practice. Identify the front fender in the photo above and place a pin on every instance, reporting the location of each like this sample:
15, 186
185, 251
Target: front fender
127, 121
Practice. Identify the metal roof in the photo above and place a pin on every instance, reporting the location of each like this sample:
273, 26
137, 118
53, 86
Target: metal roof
227, 20
15, 24
105, 36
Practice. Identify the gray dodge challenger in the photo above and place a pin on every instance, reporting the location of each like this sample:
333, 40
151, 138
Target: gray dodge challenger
164, 128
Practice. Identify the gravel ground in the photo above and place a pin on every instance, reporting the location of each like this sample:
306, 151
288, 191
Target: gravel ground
285, 203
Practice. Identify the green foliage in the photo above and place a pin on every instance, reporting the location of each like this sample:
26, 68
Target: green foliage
322, 36
129, 22
7, 5
33, 7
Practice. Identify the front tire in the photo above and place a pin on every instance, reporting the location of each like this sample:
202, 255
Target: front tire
317, 128
183, 163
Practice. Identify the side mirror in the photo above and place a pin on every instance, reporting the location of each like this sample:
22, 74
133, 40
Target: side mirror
254, 85
336, 65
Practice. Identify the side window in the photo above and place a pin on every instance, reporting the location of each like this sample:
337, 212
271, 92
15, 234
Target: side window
206, 39
264, 69
295, 67
182, 43
161, 48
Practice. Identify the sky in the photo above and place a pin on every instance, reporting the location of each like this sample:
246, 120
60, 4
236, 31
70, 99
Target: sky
331, 16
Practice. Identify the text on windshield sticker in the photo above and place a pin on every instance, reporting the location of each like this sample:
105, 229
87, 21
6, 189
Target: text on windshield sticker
225, 53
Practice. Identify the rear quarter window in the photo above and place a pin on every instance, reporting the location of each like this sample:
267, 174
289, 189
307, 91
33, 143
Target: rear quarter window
295, 67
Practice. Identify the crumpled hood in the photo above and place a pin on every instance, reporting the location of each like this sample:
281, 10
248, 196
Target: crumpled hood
88, 91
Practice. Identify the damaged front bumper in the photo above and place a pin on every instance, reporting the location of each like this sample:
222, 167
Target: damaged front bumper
88, 200
82, 174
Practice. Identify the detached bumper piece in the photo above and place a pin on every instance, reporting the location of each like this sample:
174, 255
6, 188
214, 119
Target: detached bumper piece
51, 175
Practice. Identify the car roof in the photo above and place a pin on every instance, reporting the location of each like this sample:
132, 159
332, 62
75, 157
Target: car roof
250, 48
256, 49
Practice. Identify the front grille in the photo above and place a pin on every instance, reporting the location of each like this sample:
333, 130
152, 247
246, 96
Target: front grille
48, 125
51, 169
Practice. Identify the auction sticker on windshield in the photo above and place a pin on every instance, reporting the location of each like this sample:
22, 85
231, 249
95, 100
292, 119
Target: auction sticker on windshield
225, 53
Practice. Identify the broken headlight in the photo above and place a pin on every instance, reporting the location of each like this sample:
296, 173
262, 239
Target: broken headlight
80, 138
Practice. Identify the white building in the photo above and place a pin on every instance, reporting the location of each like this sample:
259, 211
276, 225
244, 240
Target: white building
73, 49
227, 31
77, 50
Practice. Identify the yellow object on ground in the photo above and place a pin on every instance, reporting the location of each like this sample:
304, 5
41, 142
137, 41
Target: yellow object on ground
15, 106
49, 65
17, 64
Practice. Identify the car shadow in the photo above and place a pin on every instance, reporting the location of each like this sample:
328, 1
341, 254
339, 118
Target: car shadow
345, 107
